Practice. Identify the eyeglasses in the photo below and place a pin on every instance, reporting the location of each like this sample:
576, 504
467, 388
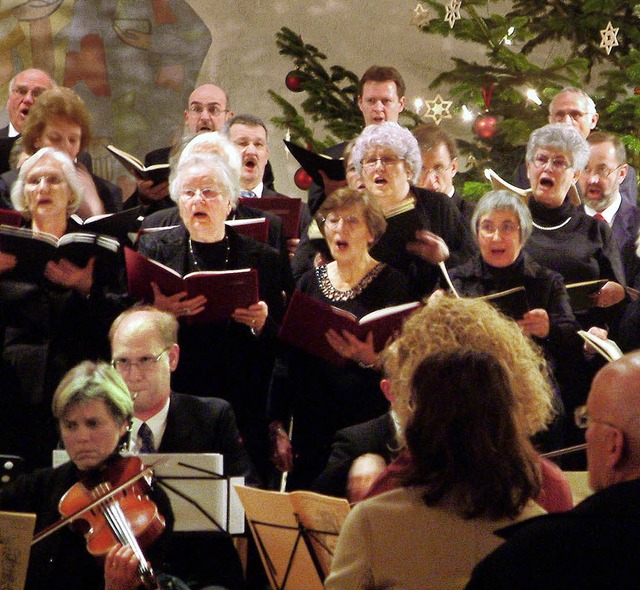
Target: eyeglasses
560, 116
198, 109
507, 229
584, 420
351, 221
558, 164
603, 171
144, 363
438, 170
385, 162
25, 90
208, 194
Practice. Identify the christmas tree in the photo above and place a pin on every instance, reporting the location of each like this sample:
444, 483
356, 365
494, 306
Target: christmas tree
529, 53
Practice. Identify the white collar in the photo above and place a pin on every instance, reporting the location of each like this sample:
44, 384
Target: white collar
610, 212
13, 132
257, 190
157, 423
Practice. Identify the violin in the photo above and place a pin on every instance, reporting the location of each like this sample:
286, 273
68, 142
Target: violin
113, 509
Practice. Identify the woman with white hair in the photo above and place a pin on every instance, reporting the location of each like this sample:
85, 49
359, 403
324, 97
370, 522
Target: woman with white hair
232, 359
564, 238
48, 323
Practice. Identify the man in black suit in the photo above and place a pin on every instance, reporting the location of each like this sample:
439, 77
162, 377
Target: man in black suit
594, 545
249, 134
145, 352
24, 89
600, 185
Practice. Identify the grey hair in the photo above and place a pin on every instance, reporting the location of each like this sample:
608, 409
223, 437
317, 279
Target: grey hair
216, 143
591, 106
394, 137
503, 200
18, 198
219, 168
563, 138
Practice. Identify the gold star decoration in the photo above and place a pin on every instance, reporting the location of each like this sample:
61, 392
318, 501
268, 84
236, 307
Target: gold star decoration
420, 16
609, 38
453, 12
437, 109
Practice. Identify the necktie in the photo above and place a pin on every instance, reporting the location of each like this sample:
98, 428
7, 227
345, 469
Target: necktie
146, 438
248, 194
600, 217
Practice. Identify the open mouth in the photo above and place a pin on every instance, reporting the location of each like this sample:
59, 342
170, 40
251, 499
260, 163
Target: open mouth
204, 128
545, 181
380, 180
250, 164
593, 191
341, 244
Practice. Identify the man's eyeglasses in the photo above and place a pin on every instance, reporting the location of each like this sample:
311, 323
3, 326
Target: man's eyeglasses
144, 363
198, 109
438, 170
584, 420
25, 90
385, 162
560, 116
507, 229
558, 164
602, 171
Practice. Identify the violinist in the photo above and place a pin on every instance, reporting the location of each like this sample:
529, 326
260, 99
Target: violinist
93, 409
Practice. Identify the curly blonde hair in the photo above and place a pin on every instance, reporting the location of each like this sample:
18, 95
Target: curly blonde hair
448, 323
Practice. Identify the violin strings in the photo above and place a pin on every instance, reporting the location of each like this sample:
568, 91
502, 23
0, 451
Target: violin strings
121, 528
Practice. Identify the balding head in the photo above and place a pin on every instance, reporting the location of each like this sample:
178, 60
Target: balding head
208, 109
613, 435
24, 90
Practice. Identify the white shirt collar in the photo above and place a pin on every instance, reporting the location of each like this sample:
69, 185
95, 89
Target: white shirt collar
13, 132
257, 190
157, 423
610, 212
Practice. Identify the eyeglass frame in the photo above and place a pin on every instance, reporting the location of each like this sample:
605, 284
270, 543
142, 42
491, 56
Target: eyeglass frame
438, 173
535, 162
582, 419
213, 111
371, 163
24, 91
508, 232
143, 363
604, 176
199, 192
575, 116
350, 220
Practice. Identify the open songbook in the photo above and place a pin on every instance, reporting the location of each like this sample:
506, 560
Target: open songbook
308, 319
157, 172
289, 209
296, 534
16, 532
225, 290
312, 162
512, 302
583, 294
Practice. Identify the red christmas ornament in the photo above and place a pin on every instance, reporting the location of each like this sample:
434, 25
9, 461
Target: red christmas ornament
293, 81
485, 126
302, 179
636, 90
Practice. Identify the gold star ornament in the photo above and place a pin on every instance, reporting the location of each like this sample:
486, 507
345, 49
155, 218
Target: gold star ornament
420, 16
453, 12
609, 38
437, 109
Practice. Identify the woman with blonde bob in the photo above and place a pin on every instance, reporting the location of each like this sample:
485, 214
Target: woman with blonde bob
447, 323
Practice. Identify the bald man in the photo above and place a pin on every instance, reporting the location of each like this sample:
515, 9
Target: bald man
597, 544
207, 110
24, 90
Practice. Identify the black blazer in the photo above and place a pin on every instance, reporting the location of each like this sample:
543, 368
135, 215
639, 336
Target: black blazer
375, 436
207, 425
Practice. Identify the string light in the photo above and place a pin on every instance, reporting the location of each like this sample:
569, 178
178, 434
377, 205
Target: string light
532, 95
418, 103
467, 115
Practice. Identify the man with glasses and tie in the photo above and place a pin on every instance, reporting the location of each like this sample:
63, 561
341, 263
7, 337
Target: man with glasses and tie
594, 545
574, 107
600, 185
24, 90
145, 352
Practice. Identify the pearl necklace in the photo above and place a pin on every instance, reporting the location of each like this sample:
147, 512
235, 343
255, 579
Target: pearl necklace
196, 265
551, 228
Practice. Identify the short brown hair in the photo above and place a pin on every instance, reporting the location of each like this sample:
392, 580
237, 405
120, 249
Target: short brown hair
430, 136
346, 197
57, 102
598, 137
383, 74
